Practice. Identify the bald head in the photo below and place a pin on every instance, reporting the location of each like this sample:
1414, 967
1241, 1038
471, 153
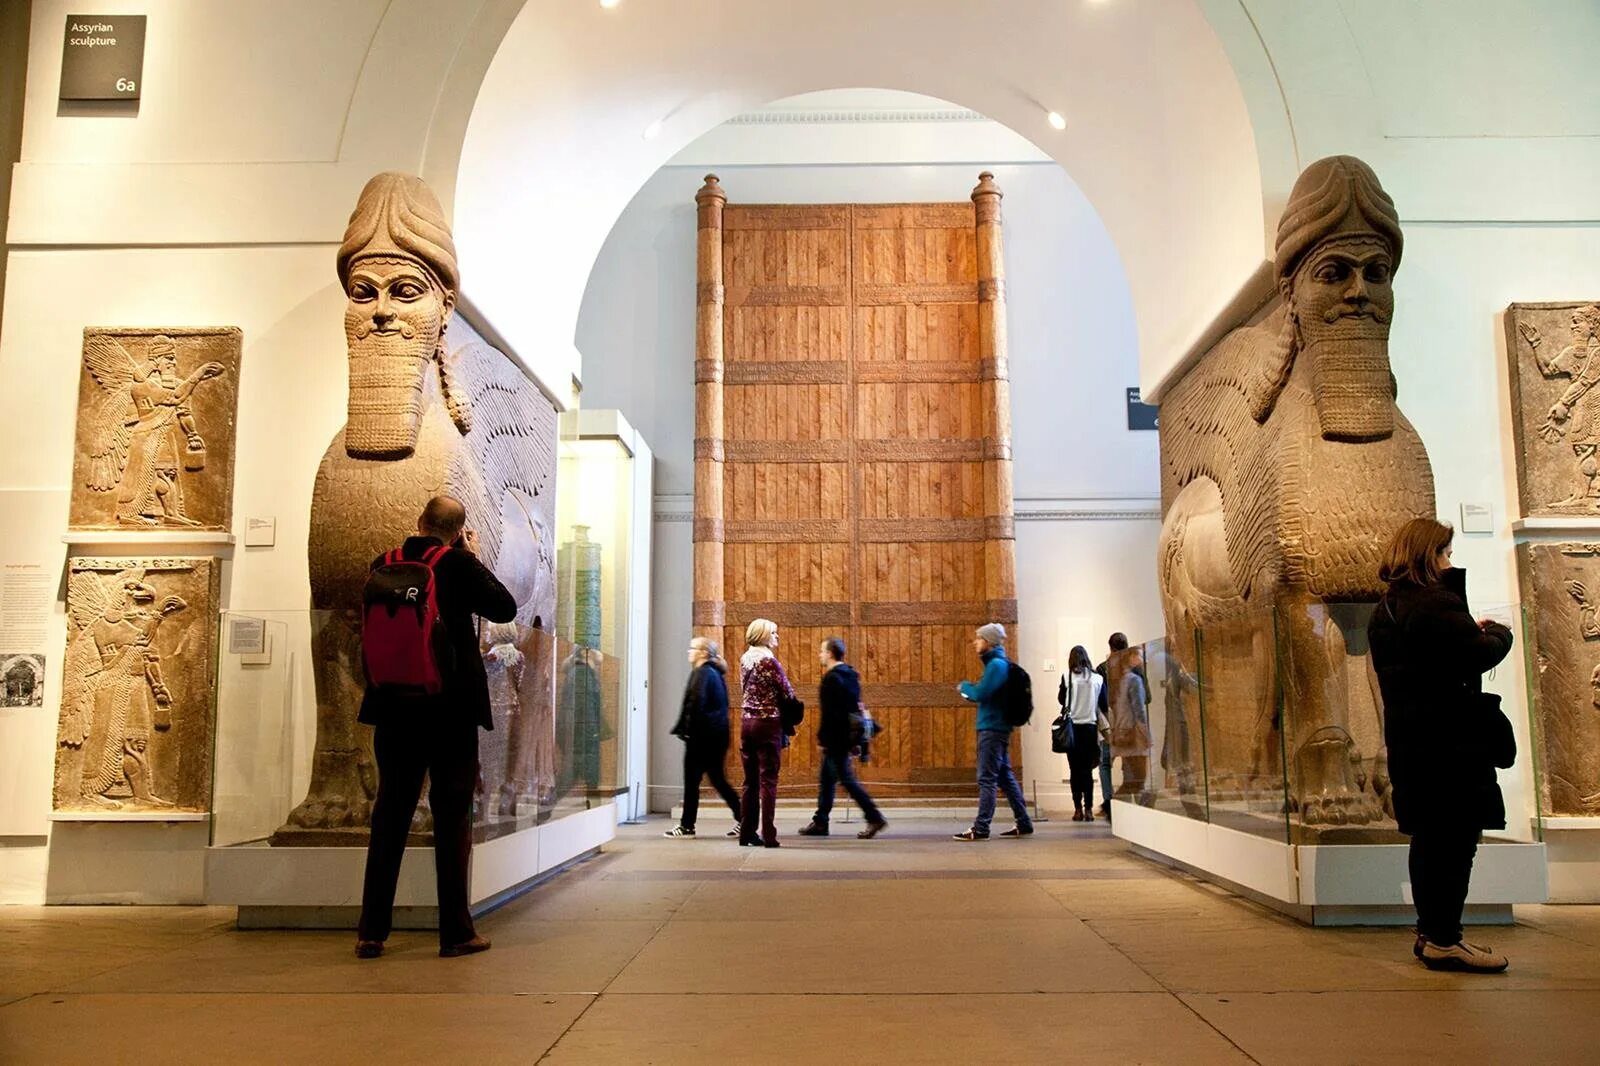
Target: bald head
444, 518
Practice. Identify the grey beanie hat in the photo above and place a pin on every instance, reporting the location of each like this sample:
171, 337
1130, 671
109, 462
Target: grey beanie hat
993, 632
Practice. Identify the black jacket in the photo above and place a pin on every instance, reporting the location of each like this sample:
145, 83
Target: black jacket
1430, 655
839, 697
704, 717
463, 587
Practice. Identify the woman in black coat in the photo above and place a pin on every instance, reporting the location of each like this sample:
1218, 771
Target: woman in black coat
703, 728
1444, 735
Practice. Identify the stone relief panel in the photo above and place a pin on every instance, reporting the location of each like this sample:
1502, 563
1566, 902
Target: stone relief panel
1561, 592
155, 437
138, 692
1554, 351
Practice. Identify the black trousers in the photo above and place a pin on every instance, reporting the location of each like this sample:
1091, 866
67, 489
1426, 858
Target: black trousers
705, 760
1083, 758
446, 752
1441, 867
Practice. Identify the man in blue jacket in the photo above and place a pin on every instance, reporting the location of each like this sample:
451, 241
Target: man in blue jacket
994, 737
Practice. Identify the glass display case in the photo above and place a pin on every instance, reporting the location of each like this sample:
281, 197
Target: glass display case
1271, 724
556, 747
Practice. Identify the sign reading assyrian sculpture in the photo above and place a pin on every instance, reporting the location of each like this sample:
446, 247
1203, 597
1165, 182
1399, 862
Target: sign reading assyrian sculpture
1561, 591
1554, 349
1286, 465
423, 418
155, 430
138, 689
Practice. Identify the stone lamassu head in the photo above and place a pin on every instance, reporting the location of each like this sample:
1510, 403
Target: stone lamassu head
1339, 244
398, 268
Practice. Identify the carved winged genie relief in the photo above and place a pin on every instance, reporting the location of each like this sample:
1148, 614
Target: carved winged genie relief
1554, 349
142, 460
1564, 625
128, 679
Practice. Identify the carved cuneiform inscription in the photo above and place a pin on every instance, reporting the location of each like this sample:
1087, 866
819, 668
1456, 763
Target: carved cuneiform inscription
138, 688
155, 434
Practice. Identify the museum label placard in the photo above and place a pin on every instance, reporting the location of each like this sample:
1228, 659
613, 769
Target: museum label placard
102, 57
1141, 415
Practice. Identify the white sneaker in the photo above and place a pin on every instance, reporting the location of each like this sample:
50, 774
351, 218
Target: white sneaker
678, 831
1462, 957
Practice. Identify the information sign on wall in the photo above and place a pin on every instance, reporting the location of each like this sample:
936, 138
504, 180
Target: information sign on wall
1141, 415
102, 57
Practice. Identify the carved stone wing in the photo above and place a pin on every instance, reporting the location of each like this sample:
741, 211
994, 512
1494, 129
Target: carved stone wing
108, 362
109, 437
88, 600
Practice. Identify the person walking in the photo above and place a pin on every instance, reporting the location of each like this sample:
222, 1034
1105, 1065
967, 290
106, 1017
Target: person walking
765, 687
994, 737
1129, 722
1079, 696
839, 702
703, 728
432, 736
1445, 737
1115, 643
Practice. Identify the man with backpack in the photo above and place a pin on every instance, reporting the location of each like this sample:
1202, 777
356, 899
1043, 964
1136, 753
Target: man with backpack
1005, 700
427, 695
841, 732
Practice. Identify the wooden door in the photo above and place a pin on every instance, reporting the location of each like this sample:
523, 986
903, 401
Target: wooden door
852, 458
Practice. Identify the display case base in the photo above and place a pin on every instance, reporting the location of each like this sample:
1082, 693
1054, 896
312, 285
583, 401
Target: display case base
320, 888
1574, 848
1327, 884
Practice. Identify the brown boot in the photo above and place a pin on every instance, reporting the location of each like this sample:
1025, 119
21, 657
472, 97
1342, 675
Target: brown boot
470, 947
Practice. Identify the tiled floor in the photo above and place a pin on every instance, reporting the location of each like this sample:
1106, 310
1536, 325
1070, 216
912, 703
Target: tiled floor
908, 948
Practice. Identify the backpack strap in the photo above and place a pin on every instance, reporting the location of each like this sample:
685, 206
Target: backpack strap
433, 555
390, 557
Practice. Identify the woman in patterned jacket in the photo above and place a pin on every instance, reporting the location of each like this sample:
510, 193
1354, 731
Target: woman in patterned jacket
764, 686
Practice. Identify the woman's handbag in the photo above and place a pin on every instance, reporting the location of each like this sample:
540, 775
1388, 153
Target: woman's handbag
1061, 734
1496, 739
791, 712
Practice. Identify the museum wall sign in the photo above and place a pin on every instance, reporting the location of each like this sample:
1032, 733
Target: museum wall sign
139, 686
1286, 466
155, 437
853, 455
424, 418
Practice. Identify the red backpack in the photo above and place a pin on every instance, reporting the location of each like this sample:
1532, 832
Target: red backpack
404, 646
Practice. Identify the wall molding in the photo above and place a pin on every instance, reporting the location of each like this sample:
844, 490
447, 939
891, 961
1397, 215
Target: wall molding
679, 507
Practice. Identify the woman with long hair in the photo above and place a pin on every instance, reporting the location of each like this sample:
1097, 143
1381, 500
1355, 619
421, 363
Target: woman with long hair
1079, 696
703, 728
1444, 735
765, 688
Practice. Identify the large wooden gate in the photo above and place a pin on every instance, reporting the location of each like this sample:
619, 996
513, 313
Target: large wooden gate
853, 458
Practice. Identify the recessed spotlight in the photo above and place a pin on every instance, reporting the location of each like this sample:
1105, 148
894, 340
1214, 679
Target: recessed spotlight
608, 4
1056, 121
651, 130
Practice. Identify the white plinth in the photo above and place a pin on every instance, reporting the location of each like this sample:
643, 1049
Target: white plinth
1573, 845
154, 538
1346, 884
321, 887
129, 816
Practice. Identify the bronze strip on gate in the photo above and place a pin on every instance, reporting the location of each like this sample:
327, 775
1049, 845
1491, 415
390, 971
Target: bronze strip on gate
818, 615
939, 613
786, 451
786, 531
785, 372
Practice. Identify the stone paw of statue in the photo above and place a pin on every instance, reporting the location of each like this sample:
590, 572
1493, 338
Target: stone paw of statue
329, 812
422, 821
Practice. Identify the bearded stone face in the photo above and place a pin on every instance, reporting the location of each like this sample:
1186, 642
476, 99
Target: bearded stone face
393, 323
1342, 300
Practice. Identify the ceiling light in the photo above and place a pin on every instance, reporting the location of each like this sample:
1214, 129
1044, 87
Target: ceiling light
608, 4
651, 130
1056, 121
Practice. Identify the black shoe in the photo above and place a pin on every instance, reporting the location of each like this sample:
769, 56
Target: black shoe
470, 947
812, 829
1018, 831
971, 834
749, 843
771, 844
371, 949
872, 830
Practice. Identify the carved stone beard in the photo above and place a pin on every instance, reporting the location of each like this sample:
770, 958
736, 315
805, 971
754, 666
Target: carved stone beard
387, 372
1348, 363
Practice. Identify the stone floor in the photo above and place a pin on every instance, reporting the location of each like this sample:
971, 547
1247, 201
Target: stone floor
909, 948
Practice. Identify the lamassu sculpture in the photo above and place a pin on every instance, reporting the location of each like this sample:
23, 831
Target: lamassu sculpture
422, 419
1286, 465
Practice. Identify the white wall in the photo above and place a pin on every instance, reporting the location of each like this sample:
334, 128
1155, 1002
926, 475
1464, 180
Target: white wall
1073, 350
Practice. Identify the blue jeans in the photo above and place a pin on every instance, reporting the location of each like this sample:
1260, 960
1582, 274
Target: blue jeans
994, 768
836, 771
1105, 775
